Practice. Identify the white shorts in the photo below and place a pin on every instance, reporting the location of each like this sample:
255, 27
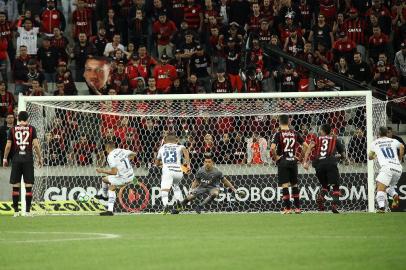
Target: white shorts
170, 177
389, 176
119, 180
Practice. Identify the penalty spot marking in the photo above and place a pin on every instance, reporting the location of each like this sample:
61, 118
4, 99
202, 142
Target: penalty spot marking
76, 236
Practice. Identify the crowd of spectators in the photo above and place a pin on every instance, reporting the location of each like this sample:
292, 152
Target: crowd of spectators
199, 46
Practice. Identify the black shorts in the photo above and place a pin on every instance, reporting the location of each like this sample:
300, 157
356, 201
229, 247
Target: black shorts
327, 174
287, 172
25, 169
203, 190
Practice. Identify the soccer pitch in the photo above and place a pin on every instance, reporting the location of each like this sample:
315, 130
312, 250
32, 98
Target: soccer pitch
217, 241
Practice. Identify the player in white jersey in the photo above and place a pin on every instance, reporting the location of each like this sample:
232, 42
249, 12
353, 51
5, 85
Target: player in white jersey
173, 157
121, 173
28, 36
386, 151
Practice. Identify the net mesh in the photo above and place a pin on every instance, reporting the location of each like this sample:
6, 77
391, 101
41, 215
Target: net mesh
72, 135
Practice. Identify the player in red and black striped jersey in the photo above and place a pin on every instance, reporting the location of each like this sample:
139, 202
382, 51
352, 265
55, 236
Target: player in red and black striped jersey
284, 146
327, 147
23, 140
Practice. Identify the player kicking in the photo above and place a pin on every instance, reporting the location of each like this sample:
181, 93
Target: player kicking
284, 146
23, 139
386, 151
121, 173
207, 181
170, 156
325, 163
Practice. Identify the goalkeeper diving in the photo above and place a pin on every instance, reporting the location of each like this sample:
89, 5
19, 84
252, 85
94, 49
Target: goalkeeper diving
207, 182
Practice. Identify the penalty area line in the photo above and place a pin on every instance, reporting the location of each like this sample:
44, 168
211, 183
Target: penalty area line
86, 237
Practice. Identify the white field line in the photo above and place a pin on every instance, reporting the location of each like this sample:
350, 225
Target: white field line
90, 236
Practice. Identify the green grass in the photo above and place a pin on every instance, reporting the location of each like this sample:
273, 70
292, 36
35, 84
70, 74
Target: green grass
240, 241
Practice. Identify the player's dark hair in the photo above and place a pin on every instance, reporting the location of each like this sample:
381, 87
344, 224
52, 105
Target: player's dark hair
208, 155
383, 131
389, 128
326, 128
22, 116
283, 119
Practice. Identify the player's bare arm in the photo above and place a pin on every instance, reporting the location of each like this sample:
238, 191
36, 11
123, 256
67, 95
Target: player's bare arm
37, 149
186, 158
273, 151
6, 152
112, 171
307, 154
228, 184
401, 152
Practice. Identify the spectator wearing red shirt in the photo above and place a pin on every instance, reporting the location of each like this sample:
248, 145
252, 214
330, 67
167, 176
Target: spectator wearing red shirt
264, 33
355, 26
60, 43
193, 15
3, 58
343, 47
119, 79
221, 84
51, 18
378, 43
252, 83
146, 60
164, 75
329, 9
6, 32
255, 18
134, 71
164, 29
81, 20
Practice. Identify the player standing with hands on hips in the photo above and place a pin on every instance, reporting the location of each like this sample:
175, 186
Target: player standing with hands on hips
386, 151
22, 139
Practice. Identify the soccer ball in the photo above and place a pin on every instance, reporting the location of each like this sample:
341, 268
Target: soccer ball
83, 197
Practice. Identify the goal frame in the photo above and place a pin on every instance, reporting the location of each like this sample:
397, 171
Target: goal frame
23, 100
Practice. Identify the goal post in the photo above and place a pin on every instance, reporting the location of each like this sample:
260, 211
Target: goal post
204, 114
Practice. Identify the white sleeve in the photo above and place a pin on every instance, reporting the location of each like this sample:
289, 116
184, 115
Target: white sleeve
159, 155
36, 30
19, 30
128, 152
373, 147
111, 161
396, 144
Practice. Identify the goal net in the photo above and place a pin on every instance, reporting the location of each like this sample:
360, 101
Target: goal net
237, 129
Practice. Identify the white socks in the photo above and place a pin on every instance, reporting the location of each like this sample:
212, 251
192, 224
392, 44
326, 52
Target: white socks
165, 198
391, 191
177, 193
381, 199
105, 187
112, 200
